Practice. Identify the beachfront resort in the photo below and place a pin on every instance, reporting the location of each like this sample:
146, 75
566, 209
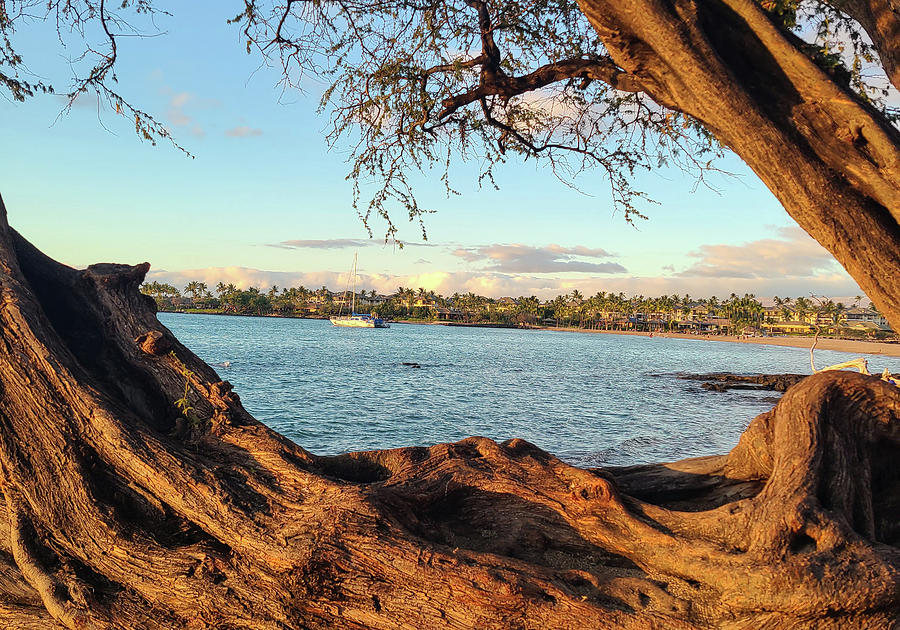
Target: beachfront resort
745, 315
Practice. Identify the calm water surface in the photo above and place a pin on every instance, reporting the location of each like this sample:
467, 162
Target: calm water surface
589, 399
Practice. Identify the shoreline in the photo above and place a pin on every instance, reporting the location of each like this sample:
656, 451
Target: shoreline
850, 346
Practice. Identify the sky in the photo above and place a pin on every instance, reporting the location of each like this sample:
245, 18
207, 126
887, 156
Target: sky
264, 200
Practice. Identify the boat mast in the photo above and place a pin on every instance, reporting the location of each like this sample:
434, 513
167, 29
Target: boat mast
353, 298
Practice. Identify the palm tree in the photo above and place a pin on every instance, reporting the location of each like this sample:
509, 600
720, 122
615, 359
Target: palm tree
743, 311
196, 289
784, 305
685, 309
839, 309
230, 298
756, 311
558, 307
802, 307
576, 306
531, 305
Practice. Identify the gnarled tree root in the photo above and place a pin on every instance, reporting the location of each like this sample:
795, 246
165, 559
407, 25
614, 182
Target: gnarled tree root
122, 511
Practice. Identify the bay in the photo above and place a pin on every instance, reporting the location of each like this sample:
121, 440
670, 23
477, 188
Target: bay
590, 399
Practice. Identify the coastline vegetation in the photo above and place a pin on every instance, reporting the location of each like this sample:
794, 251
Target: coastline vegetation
734, 315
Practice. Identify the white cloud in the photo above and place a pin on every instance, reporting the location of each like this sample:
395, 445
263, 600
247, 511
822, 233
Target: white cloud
243, 131
794, 255
493, 284
344, 243
175, 114
829, 285
181, 105
331, 243
519, 258
579, 250
81, 101
789, 264
177, 110
467, 254
245, 277
181, 99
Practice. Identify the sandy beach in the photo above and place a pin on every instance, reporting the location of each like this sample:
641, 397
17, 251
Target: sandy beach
840, 345
851, 346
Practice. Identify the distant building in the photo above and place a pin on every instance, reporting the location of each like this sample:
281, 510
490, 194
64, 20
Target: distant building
505, 304
858, 314
447, 314
696, 312
788, 327
715, 324
776, 314
864, 327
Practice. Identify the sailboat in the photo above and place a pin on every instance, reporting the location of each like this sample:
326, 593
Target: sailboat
354, 319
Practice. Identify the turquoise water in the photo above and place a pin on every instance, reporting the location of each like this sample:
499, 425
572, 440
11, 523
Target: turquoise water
587, 398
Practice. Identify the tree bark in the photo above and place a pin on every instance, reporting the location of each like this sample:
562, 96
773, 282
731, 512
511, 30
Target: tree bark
881, 20
122, 509
831, 160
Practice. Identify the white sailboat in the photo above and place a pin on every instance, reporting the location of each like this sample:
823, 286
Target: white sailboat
354, 319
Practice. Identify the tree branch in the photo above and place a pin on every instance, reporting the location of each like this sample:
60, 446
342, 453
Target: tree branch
600, 69
881, 21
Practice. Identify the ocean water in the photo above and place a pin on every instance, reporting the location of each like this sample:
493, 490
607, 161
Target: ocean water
590, 399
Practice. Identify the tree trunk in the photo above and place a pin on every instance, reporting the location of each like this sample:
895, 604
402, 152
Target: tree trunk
831, 160
139, 494
879, 19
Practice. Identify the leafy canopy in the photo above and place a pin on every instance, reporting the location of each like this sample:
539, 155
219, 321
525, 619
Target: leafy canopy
418, 83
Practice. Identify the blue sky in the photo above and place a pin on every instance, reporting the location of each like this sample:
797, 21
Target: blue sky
265, 202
